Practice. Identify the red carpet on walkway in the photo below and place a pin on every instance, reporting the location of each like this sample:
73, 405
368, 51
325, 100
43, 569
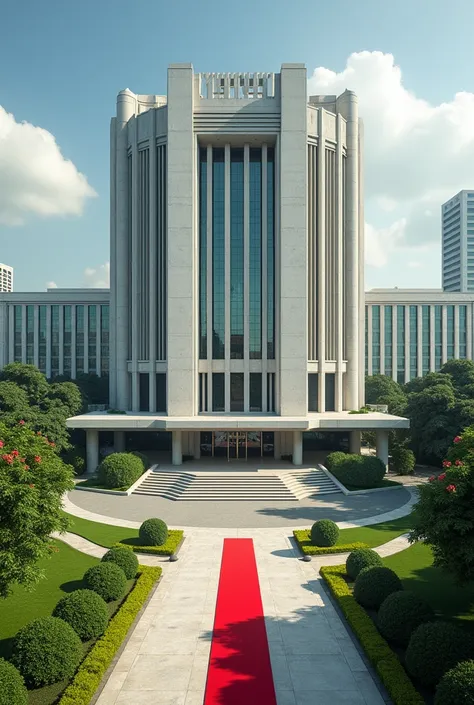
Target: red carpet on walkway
240, 671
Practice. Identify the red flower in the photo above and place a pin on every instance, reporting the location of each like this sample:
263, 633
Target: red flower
451, 488
22, 460
1, 444
37, 458
458, 463
442, 476
15, 453
8, 458
22, 423
446, 463
432, 478
458, 439
27, 467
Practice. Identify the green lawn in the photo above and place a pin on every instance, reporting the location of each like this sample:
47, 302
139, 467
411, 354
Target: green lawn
384, 483
377, 534
415, 568
63, 573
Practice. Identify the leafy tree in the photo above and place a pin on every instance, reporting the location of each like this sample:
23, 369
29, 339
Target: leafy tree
380, 389
67, 396
432, 379
33, 479
461, 373
444, 514
431, 421
13, 400
94, 389
29, 378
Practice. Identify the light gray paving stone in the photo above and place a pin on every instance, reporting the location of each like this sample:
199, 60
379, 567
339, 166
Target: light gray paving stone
321, 672
168, 672
146, 697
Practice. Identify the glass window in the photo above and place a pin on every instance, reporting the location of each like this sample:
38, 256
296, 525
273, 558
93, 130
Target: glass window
203, 253
388, 340
255, 255
67, 342
463, 332
255, 395
30, 335
17, 315
450, 332
218, 392
413, 341
271, 253
330, 379
218, 255
375, 340
401, 344
92, 339
144, 379
79, 339
161, 396
104, 339
237, 254
425, 342
438, 337
54, 340
366, 341
313, 391
42, 339
236, 391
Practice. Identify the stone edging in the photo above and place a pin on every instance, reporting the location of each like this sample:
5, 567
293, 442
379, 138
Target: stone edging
120, 493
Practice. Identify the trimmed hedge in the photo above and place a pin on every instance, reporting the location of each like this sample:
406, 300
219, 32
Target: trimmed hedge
91, 671
374, 584
364, 471
434, 649
124, 558
391, 672
12, 686
120, 470
85, 611
153, 532
107, 580
403, 460
360, 559
175, 537
400, 614
456, 686
324, 533
46, 650
303, 539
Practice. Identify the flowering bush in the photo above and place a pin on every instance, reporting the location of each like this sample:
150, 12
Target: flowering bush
444, 518
33, 479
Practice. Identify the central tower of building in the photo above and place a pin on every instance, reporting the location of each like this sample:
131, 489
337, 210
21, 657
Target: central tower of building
237, 282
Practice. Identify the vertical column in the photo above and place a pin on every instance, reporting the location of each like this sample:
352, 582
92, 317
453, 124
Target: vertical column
246, 277
210, 326
355, 442
36, 335
469, 316
419, 341
119, 441
61, 339
432, 339
119, 293
297, 448
277, 279
361, 250
86, 339
456, 331
369, 340
381, 441
444, 328
394, 343
277, 445
23, 333
92, 450
407, 343
177, 448
264, 277
382, 339
48, 341
98, 335
135, 265
197, 445
293, 297
3, 334
181, 242
340, 272
153, 276
73, 344
227, 265
321, 273
348, 106
11, 333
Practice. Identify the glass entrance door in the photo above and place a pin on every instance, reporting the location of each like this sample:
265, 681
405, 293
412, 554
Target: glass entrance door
237, 445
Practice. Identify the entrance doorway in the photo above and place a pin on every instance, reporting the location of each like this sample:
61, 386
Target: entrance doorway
237, 445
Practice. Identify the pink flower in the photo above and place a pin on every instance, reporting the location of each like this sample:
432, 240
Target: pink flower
7, 458
27, 467
451, 488
22, 423
432, 478
458, 439
2, 444
37, 458
458, 463
15, 453
446, 463
442, 476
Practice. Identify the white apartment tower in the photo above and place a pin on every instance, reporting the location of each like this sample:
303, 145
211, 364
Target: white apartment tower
457, 223
6, 278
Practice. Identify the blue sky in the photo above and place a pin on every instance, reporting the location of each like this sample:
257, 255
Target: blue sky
64, 62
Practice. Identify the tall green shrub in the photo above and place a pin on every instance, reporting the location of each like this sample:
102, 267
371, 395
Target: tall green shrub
120, 470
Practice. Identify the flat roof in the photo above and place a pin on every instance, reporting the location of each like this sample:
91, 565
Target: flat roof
142, 421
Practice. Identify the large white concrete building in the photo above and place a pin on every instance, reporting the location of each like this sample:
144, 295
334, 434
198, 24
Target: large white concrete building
237, 269
457, 228
6, 278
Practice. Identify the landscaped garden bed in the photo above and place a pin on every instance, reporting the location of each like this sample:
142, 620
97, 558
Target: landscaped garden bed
116, 473
358, 472
61, 608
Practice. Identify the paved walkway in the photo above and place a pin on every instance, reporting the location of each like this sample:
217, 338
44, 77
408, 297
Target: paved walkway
314, 660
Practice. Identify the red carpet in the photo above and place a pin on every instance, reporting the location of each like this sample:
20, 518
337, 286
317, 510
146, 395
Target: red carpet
240, 671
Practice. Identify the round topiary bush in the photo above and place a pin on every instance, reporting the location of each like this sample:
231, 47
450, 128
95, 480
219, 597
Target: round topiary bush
403, 460
85, 611
400, 614
46, 651
123, 557
153, 532
434, 649
361, 558
107, 580
456, 687
12, 685
120, 470
374, 585
324, 533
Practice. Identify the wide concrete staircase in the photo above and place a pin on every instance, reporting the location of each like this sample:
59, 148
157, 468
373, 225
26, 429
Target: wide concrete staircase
235, 486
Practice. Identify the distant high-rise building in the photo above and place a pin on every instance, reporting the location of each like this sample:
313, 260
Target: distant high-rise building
6, 278
457, 220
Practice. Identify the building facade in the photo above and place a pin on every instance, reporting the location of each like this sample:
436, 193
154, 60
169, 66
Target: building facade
457, 227
6, 278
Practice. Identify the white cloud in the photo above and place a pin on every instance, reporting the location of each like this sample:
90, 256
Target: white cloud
417, 154
35, 178
98, 278
51, 285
